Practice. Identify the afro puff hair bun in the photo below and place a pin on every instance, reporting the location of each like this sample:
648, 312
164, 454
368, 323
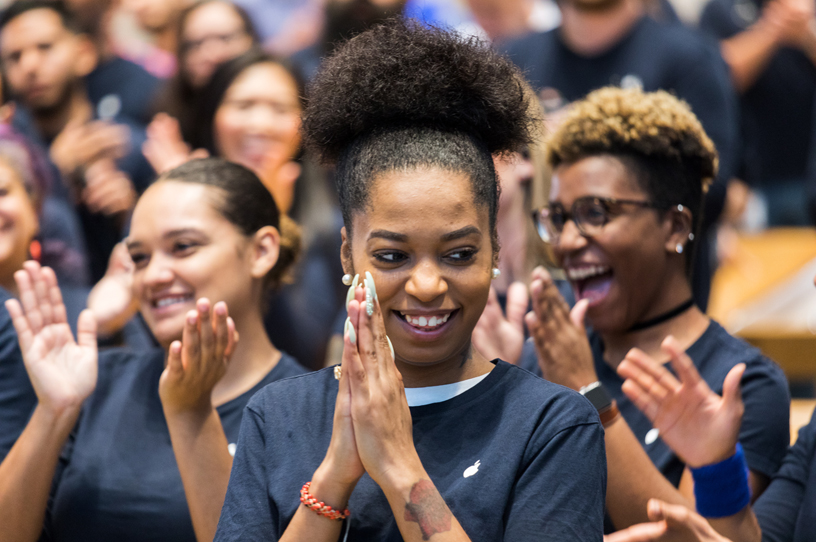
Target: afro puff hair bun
402, 74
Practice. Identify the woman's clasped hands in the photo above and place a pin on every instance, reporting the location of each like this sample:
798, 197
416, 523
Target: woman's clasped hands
372, 430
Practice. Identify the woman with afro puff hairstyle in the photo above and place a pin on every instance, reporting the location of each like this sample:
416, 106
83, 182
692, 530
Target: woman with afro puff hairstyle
629, 173
422, 437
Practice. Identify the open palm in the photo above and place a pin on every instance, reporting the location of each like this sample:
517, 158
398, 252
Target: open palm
700, 426
62, 371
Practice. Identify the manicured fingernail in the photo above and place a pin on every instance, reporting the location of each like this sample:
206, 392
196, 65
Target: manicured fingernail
191, 317
370, 284
350, 330
352, 289
391, 346
369, 302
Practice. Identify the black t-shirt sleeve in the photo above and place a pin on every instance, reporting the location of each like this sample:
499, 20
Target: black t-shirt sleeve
17, 397
248, 513
537, 511
778, 508
765, 430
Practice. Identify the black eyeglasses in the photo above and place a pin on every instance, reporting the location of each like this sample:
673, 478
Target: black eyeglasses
590, 214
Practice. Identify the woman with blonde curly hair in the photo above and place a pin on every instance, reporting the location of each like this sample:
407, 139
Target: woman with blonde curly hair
630, 170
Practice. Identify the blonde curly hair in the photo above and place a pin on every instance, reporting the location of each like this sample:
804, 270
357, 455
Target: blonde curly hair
652, 126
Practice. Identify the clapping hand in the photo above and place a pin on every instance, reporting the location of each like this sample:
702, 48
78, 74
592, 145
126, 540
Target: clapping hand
701, 427
62, 371
501, 336
197, 362
164, 147
672, 523
559, 336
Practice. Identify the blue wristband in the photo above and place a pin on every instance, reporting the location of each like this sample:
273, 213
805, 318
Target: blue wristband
722, 489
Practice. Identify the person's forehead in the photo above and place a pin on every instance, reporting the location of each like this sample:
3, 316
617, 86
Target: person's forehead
33, 24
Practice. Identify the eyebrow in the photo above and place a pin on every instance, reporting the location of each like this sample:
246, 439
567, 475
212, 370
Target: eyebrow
461, 232
169, 235
390, 235
402, 238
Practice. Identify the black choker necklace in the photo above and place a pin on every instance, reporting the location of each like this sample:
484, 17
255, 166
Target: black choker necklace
660, 318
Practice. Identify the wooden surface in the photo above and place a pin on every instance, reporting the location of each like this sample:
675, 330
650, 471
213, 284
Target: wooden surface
801, 411
765, 294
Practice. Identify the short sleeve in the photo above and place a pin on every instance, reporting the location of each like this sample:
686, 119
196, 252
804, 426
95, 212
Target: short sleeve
568, 469
778, 508
248, 513
765, 430
17, 397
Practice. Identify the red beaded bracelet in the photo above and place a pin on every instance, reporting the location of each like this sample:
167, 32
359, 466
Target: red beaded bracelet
321, 508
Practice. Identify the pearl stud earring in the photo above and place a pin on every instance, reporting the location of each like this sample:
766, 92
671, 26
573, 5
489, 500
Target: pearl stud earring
347, 279
496, 273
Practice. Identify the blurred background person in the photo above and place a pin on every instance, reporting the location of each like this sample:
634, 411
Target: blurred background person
158, 19
342, 20
770, 47
117, 85
45, 57
210, 32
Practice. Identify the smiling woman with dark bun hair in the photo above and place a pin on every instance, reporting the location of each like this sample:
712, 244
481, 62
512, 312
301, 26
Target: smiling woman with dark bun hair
422, 437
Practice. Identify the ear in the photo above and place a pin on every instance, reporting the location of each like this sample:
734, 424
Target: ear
345, 253
264, 251
87, 57
678, 225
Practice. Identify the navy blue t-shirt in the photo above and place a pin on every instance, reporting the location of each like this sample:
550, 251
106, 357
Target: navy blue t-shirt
787, 510
777, 110
118, 478
541, 473
765, 431
17, 397
124, 83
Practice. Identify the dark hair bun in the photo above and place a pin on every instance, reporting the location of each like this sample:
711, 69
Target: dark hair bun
402, 74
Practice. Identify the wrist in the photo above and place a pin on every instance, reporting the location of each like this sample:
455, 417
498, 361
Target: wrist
400, 481
56, 419
722, 489
331, 488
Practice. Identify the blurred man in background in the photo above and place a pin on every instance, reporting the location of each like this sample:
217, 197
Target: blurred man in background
770, 46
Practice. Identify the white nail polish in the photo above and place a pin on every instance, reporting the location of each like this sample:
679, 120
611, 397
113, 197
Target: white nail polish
352, 289
370, 283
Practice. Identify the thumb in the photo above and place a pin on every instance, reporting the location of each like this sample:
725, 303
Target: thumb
517, 301
578, 313
732, 393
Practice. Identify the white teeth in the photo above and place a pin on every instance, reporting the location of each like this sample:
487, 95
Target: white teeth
167, 301
581, 273
422, 321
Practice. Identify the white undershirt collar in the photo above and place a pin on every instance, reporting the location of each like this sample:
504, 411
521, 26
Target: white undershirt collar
438, 394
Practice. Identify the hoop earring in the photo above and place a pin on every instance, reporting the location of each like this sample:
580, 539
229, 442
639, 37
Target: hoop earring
496, 273
679, 248
347, 279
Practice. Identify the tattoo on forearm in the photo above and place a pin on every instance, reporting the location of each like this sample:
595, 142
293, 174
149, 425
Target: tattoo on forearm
427, 508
